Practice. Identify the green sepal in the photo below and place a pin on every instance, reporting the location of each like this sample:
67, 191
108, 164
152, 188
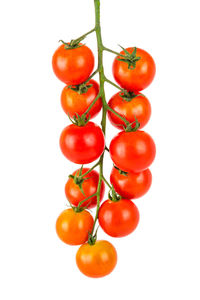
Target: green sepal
129, 127
113, 196
128, 96
120, 171
81, 88
129, 58
79, 120
73, 44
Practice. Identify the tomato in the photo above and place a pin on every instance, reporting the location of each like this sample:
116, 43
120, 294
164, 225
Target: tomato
74, 103
73, 66
82, 144
131, 185
89, 187
138, 107
132, 151
96, 260
140, 77
73, 227
118, 218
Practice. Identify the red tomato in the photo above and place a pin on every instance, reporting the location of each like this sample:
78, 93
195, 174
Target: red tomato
82, 144
89, 187
74, 103
138, 107
96, 260
136, 79
131, 185
119, 218
73, 227
73, 66
132, 151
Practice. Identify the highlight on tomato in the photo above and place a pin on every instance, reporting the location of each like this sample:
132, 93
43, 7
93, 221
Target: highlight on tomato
131, 185
73, 227
135, 71
132, 151
80, 187
118, 218
82, 144
73, 64
130, 106
77, 99
96, 260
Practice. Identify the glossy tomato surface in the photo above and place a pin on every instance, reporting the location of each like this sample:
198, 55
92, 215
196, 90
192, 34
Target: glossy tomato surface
89, 187
74, 103
132, 151
82, 144
73, 66
138, 107
97, 260
73, 227
119, 218
131, 185
135, 79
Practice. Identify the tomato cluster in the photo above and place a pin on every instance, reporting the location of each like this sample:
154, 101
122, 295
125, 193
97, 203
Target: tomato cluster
132, 151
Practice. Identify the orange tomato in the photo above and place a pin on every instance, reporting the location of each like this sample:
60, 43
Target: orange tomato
140, 77
73, 66
138, 107
96, 260
89, 186
73, 227
131, 185
74, 103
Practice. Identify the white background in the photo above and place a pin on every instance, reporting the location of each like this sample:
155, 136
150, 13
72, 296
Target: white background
161, 259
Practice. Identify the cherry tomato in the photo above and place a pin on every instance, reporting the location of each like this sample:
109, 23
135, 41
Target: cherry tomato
132, 151
89, 187
119, 218
140, 77
73, 227
74, 103
96, 260
131, 185
73, 66
138, 107
82, 144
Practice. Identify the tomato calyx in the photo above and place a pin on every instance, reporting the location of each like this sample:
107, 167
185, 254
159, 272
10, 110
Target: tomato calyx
92, 238
79, 179
73, 44
130, 58
120, 171
128, 96
80, 88
79, 120
113, 196
129, 127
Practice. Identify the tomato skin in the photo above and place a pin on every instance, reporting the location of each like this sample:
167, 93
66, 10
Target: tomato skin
119, 218
73, 227
82, 144
97, 260
74, 103
89, 186
73, 66
138, 107
132, 151
139, 78
132, 185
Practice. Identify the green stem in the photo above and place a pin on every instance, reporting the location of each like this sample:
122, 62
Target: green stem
115, 85
103, 97
83, 36
93, 167
114, 52
108, 184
